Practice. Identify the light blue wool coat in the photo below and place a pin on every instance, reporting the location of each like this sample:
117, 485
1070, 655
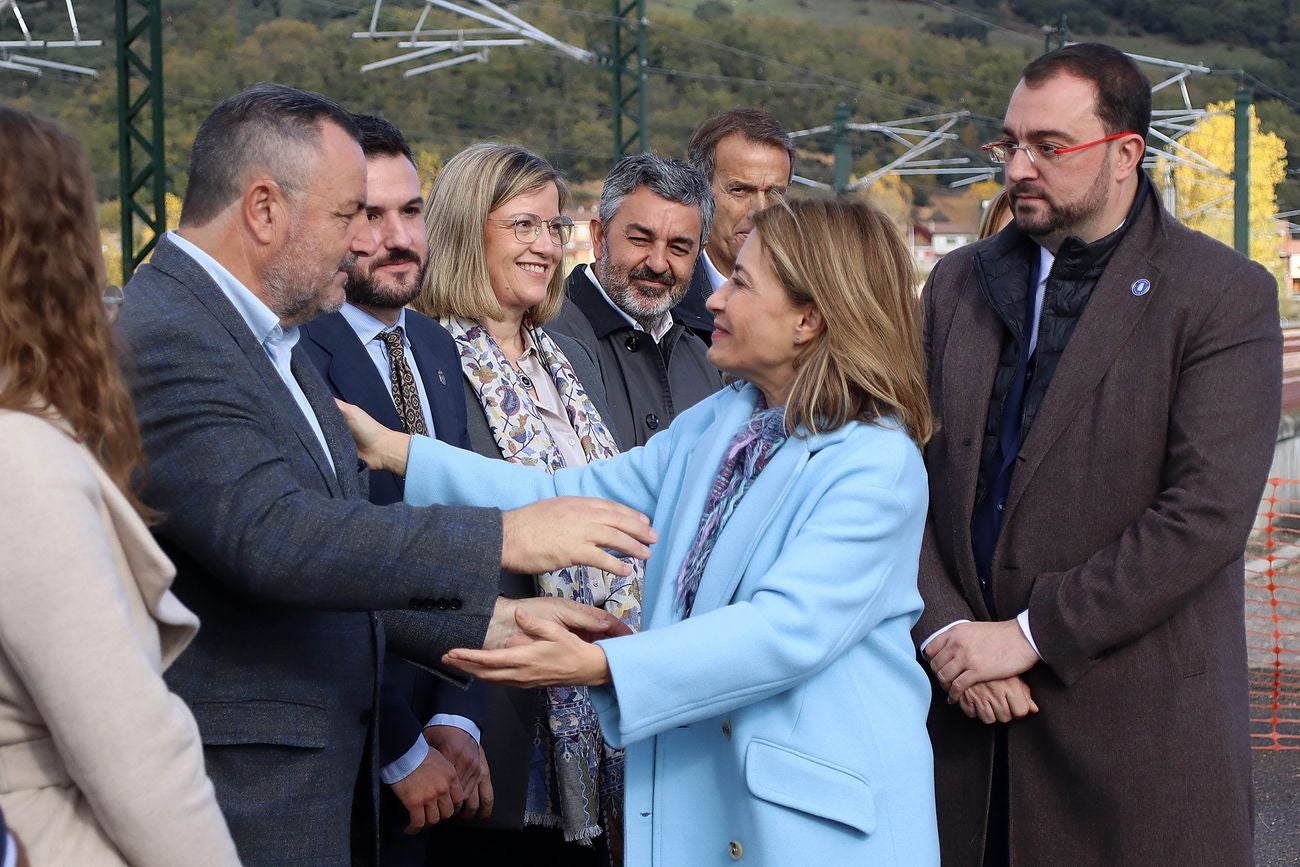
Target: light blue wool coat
784, 721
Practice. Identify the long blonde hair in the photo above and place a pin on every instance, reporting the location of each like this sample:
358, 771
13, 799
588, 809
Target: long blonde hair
475, 182
996, 215
849, 260
57, 355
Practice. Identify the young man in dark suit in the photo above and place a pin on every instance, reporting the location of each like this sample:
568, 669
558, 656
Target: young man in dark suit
401, 367
1107, 385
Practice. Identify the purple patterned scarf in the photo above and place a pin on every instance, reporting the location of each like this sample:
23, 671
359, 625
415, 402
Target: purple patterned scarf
750, 450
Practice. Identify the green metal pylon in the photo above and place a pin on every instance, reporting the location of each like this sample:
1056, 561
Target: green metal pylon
1241, 173
628, 93
843, 153
142, 184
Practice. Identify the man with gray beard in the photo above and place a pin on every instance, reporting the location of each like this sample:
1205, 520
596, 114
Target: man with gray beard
654, 213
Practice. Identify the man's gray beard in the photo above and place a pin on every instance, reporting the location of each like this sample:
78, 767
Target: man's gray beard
615, 282
291, 293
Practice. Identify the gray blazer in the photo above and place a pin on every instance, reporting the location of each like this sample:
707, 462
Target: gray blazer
283, 559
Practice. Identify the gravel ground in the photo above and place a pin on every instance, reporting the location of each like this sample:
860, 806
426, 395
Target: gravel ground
1277, 807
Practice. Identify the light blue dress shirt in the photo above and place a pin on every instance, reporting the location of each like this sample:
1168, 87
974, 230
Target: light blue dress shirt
368, 329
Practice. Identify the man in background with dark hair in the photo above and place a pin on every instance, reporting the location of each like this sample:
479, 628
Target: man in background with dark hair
264, 500
394, 364
1107, 386
749, 160
654, 215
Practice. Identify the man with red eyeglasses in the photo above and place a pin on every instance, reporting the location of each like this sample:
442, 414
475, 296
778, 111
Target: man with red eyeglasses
1107, 384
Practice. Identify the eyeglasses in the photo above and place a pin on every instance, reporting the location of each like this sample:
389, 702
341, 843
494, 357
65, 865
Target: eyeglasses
1004, 151
528, 228
113, 298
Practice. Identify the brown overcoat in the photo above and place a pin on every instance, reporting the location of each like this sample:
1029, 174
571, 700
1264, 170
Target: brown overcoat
1123, 536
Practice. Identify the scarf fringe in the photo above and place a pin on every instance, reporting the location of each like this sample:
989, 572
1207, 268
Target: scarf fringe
583, 836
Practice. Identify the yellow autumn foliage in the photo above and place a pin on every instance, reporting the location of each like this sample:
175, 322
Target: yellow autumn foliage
110, 234
893, 196
1204, 197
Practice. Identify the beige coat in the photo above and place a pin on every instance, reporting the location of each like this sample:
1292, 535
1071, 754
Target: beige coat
99, 763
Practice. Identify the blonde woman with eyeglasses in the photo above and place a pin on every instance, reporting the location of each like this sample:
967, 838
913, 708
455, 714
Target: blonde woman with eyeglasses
496, 233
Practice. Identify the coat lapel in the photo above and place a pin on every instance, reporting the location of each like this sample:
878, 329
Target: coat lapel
1113, 311
970, 362
745, 528
351, 371
683, 514
441, 383
337, 436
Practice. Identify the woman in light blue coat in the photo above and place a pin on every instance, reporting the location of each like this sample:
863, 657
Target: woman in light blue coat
773, 710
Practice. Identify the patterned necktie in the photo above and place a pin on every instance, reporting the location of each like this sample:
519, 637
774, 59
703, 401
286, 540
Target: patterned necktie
406, 397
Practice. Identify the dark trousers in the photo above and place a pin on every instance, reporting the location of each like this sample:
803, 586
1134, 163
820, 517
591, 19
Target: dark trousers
465, 844
997, 839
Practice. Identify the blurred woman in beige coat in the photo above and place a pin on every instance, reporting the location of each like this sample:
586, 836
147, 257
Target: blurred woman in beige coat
99, 763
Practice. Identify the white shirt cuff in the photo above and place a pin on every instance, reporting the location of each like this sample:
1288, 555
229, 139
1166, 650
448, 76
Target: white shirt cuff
458, 722
938, 632
395, 772
10, 850
1022, 620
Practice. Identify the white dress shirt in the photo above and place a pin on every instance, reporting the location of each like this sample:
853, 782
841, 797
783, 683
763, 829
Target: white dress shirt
716, 277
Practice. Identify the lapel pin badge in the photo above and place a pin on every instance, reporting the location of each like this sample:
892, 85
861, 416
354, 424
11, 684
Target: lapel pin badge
442, 377
1141, 287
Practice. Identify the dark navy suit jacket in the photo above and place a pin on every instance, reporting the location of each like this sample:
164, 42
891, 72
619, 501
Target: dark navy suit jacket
690, 311
409, 695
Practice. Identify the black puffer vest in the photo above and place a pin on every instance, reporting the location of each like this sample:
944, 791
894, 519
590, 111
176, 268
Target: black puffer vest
1003, 272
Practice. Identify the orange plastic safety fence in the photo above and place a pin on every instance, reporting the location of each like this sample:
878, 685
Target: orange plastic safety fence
1273, 618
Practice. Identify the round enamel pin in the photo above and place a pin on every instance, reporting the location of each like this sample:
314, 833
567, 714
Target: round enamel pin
1141, 287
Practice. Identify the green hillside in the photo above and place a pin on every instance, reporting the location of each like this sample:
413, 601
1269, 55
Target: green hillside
887, 59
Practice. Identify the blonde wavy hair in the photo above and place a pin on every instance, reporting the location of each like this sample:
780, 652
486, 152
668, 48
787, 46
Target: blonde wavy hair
475, 182
996, 215
849, 260
57, 354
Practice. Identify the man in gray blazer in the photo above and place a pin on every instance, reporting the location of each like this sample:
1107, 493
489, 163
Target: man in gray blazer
654, 214
1107, 385
263, 500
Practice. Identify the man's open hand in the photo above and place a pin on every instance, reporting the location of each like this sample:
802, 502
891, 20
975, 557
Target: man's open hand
564, 531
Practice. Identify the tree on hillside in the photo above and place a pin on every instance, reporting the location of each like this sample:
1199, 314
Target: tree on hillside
894, 197
1204, 197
